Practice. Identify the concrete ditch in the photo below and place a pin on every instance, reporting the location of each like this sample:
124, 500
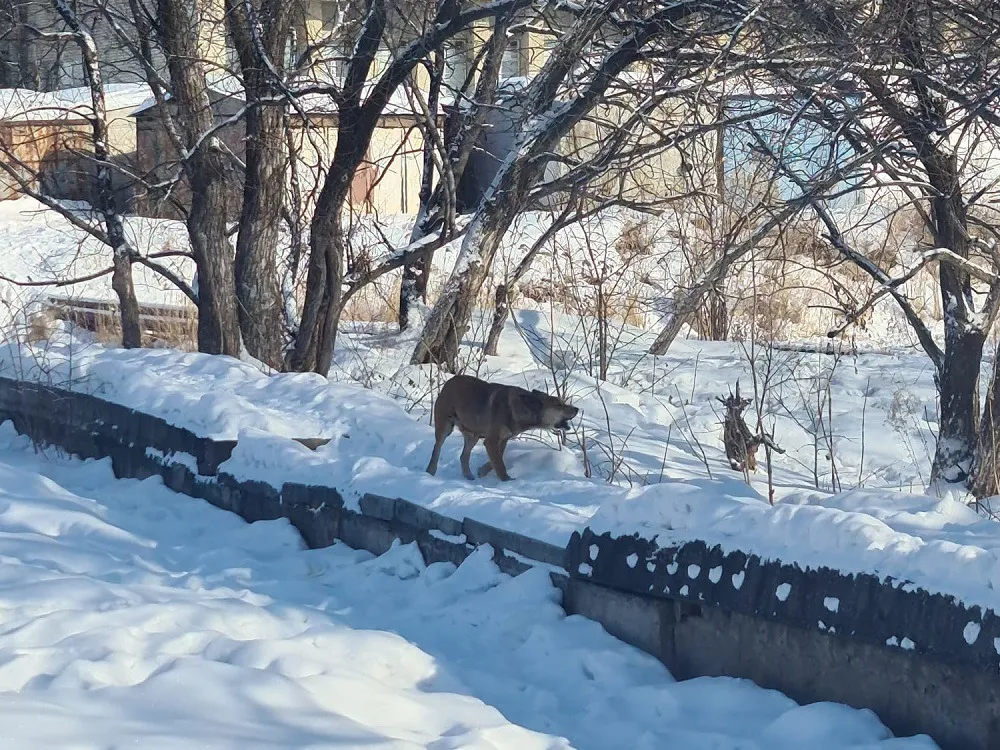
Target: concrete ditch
813, 634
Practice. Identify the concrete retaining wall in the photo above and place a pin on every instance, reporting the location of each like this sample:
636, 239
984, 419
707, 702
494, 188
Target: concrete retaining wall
924, 663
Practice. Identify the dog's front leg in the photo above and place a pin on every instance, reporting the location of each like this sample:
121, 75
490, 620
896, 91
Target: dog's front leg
495, 448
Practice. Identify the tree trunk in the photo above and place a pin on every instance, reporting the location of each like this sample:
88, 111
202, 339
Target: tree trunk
121, 279
718, 316
257, 290
206, 168
687, 301
317, 334
986, 477
958, 378
218, 323
501, 311
121, 283
958, 389
27, 57
256, 273
449, 320
413, 288
686, 304
462, 133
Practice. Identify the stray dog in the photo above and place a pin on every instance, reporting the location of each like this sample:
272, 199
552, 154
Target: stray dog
494, 413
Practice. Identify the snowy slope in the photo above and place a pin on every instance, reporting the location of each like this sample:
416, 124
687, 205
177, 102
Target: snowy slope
43, 248
381, 444
135, 617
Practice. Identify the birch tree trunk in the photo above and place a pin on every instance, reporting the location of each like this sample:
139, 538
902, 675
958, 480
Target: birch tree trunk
121, 279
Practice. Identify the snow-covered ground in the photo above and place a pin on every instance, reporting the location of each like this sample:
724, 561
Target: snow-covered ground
851, 491
45, 250
652, 437
131, 616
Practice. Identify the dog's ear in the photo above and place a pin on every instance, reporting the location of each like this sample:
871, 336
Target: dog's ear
539, 393
528, 407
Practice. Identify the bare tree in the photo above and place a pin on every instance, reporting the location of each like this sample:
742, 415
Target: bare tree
113, 232
208, 168
552, 109
473, 98
930, 86
360, 104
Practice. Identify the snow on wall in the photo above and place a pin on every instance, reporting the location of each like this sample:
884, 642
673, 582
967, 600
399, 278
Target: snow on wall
136, 443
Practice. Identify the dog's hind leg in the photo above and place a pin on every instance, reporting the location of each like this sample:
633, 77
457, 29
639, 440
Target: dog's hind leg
470, 443
442, 429
487, 467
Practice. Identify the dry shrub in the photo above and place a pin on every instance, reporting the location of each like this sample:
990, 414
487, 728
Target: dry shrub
41, 327
374, 304
635, 241
623, 308
702, 223
544, 291
172, 330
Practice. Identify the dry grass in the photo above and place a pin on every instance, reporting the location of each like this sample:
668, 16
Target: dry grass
374, 304
171, 327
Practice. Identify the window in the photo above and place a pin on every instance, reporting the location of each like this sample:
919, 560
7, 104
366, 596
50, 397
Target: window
456, 63
291, 50
807, 150
510, 66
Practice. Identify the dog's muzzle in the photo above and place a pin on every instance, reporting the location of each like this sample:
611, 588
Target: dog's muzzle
564, 425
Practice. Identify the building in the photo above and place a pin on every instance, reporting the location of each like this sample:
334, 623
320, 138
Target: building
387, 183
389, 180
48, 139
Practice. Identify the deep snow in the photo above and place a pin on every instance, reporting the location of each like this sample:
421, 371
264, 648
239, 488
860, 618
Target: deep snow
135, 617
851, 490
938, 543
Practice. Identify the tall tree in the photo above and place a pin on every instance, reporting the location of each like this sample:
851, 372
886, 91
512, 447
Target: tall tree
208, 168
110, 229
121, 277
557, 99
260, 32
929, 72
361, 102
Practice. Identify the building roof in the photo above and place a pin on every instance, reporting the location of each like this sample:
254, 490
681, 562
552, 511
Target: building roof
24, 105
231, 88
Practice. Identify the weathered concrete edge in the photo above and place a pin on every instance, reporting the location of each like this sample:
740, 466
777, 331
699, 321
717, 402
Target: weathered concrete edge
863, 607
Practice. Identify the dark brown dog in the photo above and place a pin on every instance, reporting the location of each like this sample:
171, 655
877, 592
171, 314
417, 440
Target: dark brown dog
494, 413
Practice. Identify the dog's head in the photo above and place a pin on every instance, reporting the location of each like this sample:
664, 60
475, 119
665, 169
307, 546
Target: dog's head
554, 413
